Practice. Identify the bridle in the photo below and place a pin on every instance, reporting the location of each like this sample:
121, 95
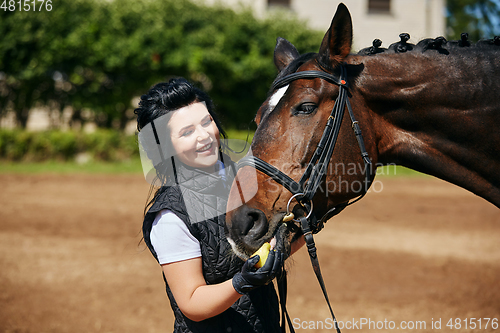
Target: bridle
305, 189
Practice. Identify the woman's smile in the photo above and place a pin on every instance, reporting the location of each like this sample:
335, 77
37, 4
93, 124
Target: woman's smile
205, 148
195, 136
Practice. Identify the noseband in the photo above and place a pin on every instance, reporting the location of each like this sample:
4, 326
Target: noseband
306, 187
304, 190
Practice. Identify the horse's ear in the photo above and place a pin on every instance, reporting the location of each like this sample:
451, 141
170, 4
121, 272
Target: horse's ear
336, 44
284, 53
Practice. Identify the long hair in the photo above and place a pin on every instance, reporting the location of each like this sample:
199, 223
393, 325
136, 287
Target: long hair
160, 101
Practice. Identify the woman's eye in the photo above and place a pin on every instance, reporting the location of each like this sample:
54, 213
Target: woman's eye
207, 122
186, 133
306, 108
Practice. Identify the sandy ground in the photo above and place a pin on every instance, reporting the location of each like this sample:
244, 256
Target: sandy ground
415, 254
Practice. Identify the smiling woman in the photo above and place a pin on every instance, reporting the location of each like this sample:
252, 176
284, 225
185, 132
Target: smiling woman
210, 289
195, 136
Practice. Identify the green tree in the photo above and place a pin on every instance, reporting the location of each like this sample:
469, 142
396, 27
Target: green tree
39, 51
97, 55
479, 18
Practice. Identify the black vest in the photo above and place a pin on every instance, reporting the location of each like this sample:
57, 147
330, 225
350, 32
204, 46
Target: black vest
257, 311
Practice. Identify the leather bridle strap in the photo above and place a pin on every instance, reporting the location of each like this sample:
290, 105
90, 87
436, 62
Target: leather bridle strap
311, 248
273, 172
282, 291
319, 162
317, 167
306, 75
315, 171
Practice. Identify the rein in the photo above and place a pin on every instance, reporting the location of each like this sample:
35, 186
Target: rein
305, 189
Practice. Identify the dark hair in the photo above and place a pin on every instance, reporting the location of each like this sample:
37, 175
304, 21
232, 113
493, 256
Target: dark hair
161, 100
156, 107
164, 98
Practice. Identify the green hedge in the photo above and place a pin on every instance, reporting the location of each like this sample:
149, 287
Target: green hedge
101, 145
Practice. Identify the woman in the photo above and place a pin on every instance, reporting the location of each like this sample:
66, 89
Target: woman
210, 289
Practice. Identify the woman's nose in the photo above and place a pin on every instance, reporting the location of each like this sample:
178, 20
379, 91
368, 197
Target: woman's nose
203, 134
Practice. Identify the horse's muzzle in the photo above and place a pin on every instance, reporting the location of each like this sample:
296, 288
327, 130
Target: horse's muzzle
248, 228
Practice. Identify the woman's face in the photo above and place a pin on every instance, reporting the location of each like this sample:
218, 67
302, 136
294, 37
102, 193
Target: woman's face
195, 136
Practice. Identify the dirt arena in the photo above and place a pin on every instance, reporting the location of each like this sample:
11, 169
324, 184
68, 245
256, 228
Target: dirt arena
415, 253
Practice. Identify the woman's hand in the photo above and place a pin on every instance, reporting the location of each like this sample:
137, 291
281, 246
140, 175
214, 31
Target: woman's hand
199, 301
250, 277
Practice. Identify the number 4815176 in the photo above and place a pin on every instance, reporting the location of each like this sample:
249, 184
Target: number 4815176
26, 5
473, 323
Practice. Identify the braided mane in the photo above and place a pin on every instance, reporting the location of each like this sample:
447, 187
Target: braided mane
439, 44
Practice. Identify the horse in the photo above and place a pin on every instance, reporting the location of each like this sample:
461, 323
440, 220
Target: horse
432, 107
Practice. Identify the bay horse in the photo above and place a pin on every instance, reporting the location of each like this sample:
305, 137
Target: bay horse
433, 107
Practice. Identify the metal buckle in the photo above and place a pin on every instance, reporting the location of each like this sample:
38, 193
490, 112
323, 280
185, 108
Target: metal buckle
289, 216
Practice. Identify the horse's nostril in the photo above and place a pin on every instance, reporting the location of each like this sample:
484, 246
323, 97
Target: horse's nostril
251, 221
255, 215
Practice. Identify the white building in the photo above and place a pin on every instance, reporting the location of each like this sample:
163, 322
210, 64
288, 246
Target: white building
382, 19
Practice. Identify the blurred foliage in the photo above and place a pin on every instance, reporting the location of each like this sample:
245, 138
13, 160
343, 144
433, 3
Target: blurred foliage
479, 18
64, 167
98, 55
102, 145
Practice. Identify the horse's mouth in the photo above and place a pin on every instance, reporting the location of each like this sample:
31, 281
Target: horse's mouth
281, 241
285, 237
248, 229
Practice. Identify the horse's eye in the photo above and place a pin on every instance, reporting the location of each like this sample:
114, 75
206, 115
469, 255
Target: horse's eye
306, 108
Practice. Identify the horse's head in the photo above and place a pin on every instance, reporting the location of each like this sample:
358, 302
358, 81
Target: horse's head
290, 125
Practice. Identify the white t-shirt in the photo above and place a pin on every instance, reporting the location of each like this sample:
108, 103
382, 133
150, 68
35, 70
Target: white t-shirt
172, 240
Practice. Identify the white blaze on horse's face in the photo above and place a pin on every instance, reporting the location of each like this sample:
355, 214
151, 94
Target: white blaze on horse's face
276, 97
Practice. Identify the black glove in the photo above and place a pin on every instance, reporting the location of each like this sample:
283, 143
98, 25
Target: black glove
250, 277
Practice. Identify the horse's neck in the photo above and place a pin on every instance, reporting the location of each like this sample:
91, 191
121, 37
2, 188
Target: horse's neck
425, 84
439, 115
